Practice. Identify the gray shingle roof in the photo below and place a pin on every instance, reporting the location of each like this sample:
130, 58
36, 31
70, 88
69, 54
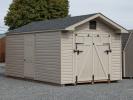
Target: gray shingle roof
54, 24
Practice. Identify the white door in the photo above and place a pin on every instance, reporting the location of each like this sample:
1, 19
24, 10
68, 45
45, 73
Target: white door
101, 56
29, 55
92, 56
84, 57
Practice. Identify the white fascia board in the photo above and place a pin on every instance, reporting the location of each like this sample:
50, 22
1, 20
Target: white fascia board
112, 23
122, 30
72, 27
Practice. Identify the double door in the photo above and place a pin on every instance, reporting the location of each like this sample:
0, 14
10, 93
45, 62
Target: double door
92, 56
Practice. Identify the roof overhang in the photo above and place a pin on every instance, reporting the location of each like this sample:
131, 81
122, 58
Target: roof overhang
42, 31
117, 27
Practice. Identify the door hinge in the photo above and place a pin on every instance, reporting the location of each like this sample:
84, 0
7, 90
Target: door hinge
93, 79
77, 44
109, 78
76, 80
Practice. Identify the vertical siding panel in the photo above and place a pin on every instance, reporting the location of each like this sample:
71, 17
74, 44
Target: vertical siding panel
15, 55
47, 57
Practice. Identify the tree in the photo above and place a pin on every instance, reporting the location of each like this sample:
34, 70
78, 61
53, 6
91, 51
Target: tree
22, 12
57, 8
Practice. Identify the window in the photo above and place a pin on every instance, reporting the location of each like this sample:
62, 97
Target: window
93, 24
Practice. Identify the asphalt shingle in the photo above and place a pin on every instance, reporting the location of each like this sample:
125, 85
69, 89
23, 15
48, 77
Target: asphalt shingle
54, 24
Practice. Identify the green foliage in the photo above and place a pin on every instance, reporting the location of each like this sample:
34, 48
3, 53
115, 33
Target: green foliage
57, 8
22, 12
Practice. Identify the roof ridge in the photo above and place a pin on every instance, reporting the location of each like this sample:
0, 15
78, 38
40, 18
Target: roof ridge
85, 15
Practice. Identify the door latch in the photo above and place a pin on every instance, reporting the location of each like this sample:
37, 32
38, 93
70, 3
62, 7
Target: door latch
77, 51
108, 51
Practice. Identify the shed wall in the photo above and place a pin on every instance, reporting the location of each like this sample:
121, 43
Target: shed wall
67, 68
116, 57
128, 70
47, 57
67, 47
15, 55
47, 64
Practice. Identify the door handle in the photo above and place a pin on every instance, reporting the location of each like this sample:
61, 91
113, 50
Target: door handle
108, 51
77, 51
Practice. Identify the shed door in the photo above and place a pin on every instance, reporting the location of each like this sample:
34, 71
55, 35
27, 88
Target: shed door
101, 56
29, 55
84, 57
92, 56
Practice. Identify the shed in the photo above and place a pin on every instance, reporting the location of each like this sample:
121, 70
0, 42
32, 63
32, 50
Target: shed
127, 54
68, 50
2, 48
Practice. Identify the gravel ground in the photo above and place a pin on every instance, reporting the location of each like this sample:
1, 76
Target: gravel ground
13, 89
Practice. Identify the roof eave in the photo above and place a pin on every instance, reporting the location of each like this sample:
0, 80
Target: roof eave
9, 33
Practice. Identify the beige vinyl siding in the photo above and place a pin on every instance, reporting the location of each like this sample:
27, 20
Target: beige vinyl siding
116, 63
67, 58
47, 57
15, 55
101, 27
116, 58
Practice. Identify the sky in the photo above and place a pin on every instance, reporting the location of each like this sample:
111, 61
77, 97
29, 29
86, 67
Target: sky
120, 11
